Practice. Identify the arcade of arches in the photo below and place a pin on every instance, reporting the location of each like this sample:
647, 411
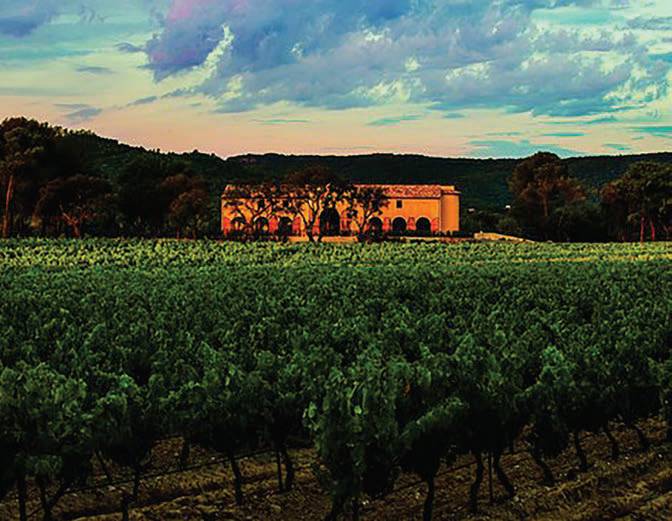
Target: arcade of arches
416, 210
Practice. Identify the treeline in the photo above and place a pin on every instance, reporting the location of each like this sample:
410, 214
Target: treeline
51, 188
55, 182
550, 204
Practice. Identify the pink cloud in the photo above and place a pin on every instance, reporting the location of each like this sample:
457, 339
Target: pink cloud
184, 9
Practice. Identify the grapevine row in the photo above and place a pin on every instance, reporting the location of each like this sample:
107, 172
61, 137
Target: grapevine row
389, 358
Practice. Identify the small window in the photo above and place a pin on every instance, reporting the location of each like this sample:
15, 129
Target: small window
400, 204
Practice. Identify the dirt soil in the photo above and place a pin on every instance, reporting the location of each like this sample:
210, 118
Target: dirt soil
637, 487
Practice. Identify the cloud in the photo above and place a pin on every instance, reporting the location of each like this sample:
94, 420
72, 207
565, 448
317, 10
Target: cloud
666, 57
653, 130
446, 54
601, 121
71, 106
21, 17
660, 23
91, 69
564, 134
391, 121
504, 134
83, 114
516, 149
143, 101
596, 121
281, 121
617, 147
129, 48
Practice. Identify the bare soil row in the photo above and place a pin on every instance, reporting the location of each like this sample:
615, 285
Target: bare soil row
638, 486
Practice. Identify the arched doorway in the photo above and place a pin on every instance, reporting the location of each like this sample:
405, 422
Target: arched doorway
238, 224
330, 223
375, 225
285, 227
261, 225
423, 226
399, 226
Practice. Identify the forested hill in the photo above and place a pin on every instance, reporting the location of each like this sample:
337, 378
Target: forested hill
483, 182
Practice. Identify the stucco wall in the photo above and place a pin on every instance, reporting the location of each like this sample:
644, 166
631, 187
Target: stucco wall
442, 212
450, 212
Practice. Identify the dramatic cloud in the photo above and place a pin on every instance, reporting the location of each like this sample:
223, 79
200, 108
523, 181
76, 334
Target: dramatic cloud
455, 77
448, 54
19, 18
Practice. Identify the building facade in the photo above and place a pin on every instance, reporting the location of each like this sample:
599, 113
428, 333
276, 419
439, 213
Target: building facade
411, 210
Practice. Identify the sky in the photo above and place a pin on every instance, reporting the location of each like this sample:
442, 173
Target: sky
468, 78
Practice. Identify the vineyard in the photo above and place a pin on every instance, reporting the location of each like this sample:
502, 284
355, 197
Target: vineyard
362, 370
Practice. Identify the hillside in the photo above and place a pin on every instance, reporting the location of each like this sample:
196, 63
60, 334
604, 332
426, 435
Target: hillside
483, 182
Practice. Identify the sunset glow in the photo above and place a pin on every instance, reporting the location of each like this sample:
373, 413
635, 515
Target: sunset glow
481, 78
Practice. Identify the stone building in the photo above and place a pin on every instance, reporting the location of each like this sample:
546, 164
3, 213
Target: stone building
411, 210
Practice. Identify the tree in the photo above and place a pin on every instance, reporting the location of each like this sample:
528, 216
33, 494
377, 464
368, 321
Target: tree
74, 200
540, 184
643, 196
480, 220
364, 203
250, 202
22, 143
189, 212
615, 209
312, 191
187, 202
578, 221
143, 199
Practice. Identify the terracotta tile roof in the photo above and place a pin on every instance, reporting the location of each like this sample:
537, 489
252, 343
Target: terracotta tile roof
412, 191
392, 191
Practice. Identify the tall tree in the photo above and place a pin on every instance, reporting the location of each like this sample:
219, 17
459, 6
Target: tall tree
250, 202
189, 209
364, 203
312, 191
579, 221
643, 196
142, 200
540, 185
74, 200
22, 143
615, 209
